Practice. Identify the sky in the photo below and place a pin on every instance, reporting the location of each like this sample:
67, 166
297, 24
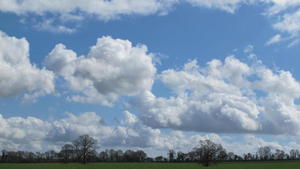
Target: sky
150, 74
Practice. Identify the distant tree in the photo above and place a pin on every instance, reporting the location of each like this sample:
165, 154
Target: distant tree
210, 152
192, 156
222, 155
85, 147
294, 154
67, 152
264, 153
120, 155
112, 155
104, 155
129, 156
230, 156
171, 155
180, 156
159, 159
4, 156
141, 155
279, 154
248, 156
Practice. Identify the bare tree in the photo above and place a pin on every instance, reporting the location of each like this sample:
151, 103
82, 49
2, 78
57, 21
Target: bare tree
141, 155
85, 147
171, 155
67, 152
180, 156
279, 154
210, 152
264, 153
294, 154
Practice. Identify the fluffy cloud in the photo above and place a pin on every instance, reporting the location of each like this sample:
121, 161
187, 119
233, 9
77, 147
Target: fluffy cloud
22, 133
251, 143
17, 74
225, 97
34, 134
112, 68
103, 9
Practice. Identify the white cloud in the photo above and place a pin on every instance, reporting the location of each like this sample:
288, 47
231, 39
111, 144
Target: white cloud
34, 134
206, 99
112, 68
275, 39
22, 133
277, 6
249, 49
226, 5
107, 10
287, 15
103, 9
289, 23
17, 74
49, 26
225, 97
251, 143
64, 11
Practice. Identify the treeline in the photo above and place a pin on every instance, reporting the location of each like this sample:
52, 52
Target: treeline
83, 150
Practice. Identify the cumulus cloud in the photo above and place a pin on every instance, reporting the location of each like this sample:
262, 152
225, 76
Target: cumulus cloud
112, 68
224, 97
17, 75
22, 133
251, 143
33, 134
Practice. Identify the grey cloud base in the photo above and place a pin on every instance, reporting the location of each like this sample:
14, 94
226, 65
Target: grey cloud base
31, 133
17, 134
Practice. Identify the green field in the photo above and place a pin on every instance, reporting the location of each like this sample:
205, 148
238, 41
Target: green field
236, 165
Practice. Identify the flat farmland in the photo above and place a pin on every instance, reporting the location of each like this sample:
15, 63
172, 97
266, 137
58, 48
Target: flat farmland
235, 165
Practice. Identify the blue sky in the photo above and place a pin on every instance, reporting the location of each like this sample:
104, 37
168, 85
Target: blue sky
197, 52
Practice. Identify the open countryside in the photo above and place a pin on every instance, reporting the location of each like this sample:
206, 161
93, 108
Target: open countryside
228, 165
149, 84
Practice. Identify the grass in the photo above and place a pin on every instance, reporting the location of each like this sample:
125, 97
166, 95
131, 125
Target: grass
236, 165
